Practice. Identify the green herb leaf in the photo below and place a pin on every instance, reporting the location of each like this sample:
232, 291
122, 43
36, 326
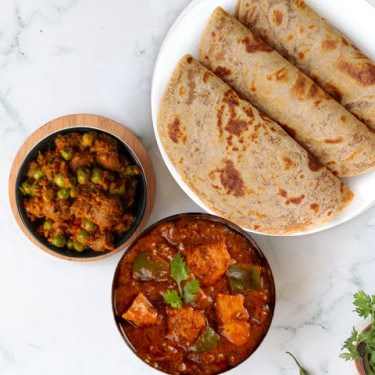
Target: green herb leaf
179, 271
365, 304
350, 345
364, 307
302, 371
190, 290
171, 297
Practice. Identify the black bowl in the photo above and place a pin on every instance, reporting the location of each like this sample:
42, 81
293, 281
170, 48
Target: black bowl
138, 209
211, 218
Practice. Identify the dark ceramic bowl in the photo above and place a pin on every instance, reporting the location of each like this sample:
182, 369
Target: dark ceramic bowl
138, 209
214, 219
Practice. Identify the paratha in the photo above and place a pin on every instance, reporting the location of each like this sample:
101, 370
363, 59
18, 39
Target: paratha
257, 72
242, 165
322, 52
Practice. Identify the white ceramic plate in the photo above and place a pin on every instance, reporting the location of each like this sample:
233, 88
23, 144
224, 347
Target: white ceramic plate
354, 18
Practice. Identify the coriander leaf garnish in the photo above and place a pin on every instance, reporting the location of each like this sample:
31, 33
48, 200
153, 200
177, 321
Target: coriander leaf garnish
362, 345
179, 273
172, 297
302, 371
190, 290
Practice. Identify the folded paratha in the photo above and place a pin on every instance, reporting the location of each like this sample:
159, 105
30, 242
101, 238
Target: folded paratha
312, 44
242, 165
257, 72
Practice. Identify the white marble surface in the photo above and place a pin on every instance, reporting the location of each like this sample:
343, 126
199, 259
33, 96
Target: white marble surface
68, 56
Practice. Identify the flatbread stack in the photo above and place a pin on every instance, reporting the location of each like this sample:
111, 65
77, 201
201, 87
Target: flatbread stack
241, 164
261, 75
306, 39
232, 142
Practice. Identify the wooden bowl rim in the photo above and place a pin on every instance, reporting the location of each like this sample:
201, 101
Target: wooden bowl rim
93, 122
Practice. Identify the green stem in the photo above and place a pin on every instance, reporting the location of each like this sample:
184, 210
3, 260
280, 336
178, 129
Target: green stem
302, 371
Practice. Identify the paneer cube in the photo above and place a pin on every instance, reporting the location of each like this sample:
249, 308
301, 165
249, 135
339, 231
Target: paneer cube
141, 312
209, 262
233, 318
185, 324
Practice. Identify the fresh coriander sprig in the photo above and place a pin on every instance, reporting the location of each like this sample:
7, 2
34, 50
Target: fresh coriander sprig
364, 307
191, 288
179, 273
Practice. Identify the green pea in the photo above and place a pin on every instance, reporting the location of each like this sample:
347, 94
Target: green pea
63, 193
59, 179
118, 190
74, 192
72, 181
83, 236
48, 195
70, 244
27, 188
67, 154
37, 173
78, 246
133, 170
47, 225
96, 175
83, 176
88, 139
88, 225
58, 241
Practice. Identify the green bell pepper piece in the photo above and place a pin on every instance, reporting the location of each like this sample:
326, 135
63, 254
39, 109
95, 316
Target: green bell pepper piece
147, 267
207, 340
242, 278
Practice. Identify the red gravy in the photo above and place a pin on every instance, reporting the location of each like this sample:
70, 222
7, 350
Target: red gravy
162, 345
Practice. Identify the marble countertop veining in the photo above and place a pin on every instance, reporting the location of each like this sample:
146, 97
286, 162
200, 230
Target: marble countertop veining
72, 56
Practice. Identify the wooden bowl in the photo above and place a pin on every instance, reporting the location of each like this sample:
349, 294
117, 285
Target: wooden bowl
130, 146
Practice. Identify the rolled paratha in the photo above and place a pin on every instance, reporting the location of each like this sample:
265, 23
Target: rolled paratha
242, 165
257, 72
312, 44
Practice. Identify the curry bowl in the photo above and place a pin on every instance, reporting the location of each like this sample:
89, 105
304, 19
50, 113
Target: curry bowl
129, 149
193, 294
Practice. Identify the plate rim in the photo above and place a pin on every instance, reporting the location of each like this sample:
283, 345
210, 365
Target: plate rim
172, 170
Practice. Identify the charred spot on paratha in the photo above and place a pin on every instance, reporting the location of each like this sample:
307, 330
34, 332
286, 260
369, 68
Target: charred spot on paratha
300, 4
175, 132
220, 119
288, 163
315, 207
363, 73
334, 141
255, 45
279, 75
282, 193
299, 86
329, 45
297, 200
236, 126
277, 17
221, 71
313, 164
230, 179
